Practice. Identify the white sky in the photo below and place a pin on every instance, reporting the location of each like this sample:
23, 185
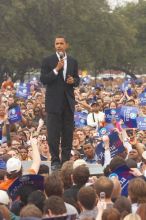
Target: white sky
115, 3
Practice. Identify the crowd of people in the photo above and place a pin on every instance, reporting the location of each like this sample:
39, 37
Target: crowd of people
72, 192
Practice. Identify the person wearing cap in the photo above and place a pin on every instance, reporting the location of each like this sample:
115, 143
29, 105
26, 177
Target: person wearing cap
13, 171
95, 118
14, 167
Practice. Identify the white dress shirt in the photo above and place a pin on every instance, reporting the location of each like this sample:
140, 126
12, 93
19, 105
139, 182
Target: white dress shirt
64, 67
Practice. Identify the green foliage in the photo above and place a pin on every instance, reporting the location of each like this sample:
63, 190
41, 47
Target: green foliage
98, 38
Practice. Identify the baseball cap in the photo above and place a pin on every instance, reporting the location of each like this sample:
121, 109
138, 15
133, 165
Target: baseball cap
13, 164
78, 163
4, 198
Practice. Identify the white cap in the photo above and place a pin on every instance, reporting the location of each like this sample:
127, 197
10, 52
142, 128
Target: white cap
13, 164
144, 155
79, 162
4, 198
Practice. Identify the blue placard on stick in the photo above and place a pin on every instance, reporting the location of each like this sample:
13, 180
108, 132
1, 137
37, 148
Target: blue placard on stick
105, 130
14, 114
85, 80
23, 90
124, 177
129, 114
100, 153
141, 123
80, 119
142, 99
112, 113
116, 145
36, 181
125, 85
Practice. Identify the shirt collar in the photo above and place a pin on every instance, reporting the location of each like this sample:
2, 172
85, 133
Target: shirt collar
93, 160
65, 57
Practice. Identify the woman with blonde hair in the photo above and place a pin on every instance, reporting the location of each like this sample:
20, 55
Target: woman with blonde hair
132, 217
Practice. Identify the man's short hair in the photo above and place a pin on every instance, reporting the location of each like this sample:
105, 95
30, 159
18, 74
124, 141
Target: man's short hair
116, 162
104, 184
81, 175
87, 197
37, 198
31, 210
53, 185
137, 190
62, 36
66, 172
56, 205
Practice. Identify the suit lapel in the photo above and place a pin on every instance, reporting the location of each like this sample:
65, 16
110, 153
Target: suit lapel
68, 66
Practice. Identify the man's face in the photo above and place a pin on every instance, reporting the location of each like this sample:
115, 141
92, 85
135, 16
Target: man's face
10, 100
2, 110
117, 98
133, 154
60, 45
81, 136
44, 146
89, 151
23, 153
75, 142
95, 108
29, 105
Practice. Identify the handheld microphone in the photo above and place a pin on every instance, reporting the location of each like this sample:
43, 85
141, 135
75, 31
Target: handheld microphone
61, 54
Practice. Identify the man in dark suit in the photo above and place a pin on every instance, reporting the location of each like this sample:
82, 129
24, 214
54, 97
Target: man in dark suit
59, 73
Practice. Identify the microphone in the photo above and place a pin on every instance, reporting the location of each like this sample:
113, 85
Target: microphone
61, 55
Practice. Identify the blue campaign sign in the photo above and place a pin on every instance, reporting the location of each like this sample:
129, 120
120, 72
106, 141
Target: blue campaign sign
106, 130
142, 98
23, 90
125, 85
112, 113
129, 91
129, 114
99, 150
115, 144
14, 114
86, 80
141, 123
36, 181
124, 177
80, 119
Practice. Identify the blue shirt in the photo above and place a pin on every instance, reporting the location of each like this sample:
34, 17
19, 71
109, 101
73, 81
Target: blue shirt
94, 160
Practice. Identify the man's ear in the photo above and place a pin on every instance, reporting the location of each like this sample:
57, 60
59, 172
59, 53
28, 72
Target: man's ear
80, 206
72, 180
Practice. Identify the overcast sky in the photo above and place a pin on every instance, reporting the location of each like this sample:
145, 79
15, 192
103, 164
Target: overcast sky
115, 3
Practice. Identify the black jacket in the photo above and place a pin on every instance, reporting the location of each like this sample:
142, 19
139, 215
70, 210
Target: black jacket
56, 87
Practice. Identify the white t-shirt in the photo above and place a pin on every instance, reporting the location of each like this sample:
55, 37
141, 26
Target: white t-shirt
93, 118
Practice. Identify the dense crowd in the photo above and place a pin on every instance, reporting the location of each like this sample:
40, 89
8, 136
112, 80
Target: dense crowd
72, 192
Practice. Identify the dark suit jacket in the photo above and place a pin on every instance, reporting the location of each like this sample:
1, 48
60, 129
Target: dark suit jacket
56, 87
